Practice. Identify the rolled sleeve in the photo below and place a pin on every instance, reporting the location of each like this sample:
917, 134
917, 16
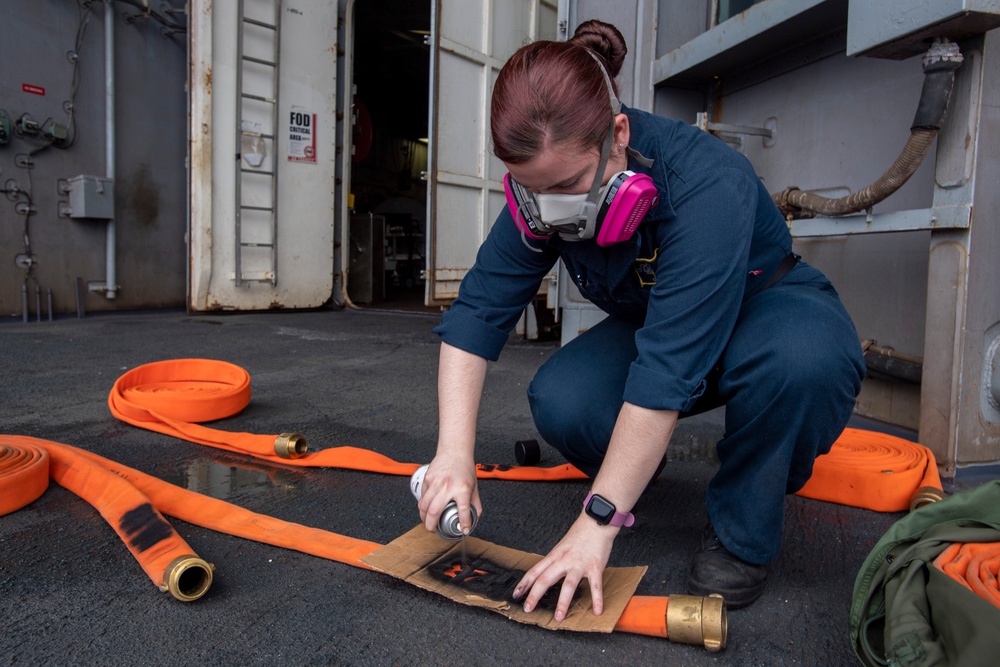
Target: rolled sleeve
652, 389
471, 334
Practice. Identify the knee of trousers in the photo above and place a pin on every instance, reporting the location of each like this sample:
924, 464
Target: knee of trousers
563, 420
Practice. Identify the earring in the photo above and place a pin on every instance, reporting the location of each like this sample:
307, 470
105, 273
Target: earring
620, 145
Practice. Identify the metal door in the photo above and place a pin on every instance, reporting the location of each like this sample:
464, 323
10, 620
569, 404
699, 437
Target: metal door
471, 39
262, 154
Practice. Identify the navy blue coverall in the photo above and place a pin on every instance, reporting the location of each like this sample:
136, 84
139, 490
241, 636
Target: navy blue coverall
689, 328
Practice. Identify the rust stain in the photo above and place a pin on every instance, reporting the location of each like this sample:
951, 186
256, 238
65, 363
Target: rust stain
208, 80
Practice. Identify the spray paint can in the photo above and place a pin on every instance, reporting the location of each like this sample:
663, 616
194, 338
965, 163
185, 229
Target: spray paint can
447, 526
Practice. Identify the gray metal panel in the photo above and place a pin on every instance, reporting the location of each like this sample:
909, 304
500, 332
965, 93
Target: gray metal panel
756, 34
150, 186
901, 28
636, 21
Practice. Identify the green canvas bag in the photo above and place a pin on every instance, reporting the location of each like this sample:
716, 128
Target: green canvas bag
908, 613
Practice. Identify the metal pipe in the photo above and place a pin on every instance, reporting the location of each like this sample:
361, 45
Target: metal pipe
24, 302
111, 287
80, 312
49, 297
888, 362
38, 303
346, 142
939, 64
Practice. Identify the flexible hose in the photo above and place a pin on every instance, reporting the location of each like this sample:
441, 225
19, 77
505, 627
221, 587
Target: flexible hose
107, 485
171, 397
975, 565
906, 164
939, 63
875, 471
163, 554
165, 396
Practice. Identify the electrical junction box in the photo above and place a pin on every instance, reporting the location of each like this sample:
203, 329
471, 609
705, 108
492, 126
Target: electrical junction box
91, 197
900, 29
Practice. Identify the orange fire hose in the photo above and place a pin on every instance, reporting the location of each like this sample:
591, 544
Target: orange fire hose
863, 469
108, 485
875, 471
173, 397
975, 565
163, 554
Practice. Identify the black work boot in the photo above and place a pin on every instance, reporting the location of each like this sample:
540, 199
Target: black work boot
715, 570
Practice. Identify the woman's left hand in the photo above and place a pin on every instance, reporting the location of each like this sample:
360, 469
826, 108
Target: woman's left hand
582, 553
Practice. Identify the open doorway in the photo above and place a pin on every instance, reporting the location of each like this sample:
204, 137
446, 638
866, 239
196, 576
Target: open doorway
388, 218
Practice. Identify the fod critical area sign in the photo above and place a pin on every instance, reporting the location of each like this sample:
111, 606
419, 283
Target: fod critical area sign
301, 136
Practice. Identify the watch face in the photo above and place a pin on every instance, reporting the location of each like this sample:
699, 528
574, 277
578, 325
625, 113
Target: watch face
600, 509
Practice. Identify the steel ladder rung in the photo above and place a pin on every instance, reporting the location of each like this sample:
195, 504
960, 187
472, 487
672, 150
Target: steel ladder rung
259, 23
260, 61
248, 96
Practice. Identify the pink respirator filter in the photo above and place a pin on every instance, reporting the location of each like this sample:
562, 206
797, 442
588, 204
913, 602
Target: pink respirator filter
626, 202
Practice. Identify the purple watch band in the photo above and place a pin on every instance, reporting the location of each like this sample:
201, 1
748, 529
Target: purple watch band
618, 519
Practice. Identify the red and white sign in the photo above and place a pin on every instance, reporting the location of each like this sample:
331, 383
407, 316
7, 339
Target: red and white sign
34, 90
301, 136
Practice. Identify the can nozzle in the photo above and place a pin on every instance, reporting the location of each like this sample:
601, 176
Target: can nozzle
448, 526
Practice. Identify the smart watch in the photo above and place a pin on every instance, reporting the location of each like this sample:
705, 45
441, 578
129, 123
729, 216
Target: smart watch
604, 512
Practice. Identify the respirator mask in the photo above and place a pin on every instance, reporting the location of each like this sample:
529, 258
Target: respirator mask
610, 211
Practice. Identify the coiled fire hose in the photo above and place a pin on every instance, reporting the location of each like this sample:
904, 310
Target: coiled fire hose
168, 396
875, 471
115, 490
171, 397
863, 469
975, 565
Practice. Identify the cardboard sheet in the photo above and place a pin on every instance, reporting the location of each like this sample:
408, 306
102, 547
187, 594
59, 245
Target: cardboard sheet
489, 574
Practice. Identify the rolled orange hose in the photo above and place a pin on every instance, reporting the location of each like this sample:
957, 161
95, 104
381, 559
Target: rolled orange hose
173, 397
873, 471
863, 469
974, 565
24, 474
163, 554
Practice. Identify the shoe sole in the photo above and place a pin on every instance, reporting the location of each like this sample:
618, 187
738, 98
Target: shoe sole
735, 598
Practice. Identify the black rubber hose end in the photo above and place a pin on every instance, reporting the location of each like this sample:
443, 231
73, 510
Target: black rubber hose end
527, 452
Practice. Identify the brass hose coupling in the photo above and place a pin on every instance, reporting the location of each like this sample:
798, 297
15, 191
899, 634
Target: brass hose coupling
692, 619
187, 578
925, 495
290, 446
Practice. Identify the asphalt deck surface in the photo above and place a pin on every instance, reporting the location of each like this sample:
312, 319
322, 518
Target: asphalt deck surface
72, 594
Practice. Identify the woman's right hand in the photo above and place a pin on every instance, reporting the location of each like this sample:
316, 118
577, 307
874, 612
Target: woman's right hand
449, 478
